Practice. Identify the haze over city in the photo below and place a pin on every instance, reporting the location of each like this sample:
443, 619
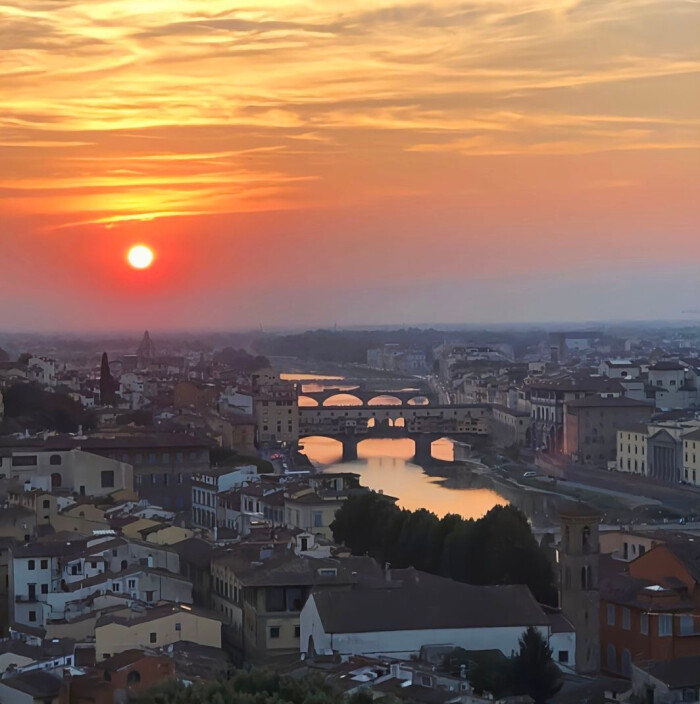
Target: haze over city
363, 163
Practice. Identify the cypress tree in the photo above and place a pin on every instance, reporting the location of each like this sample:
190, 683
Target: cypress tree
108, 386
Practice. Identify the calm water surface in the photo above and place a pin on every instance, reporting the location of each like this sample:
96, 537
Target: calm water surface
384, 465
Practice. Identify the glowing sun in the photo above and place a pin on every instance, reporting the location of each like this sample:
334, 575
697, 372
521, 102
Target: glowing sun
140, 256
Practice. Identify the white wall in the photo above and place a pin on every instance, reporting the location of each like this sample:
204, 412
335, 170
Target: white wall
405, 644
567, 642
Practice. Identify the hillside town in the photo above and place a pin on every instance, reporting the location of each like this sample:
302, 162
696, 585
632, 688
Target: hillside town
161, 521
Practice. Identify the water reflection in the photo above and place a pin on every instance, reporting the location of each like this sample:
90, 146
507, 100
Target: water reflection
385, 400
444, 449
384, 465
289, 376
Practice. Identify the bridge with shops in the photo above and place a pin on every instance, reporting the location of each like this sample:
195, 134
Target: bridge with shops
350, 425
400, 397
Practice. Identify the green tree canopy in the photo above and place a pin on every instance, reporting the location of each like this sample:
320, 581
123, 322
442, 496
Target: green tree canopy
534, 671
28, 406
256, 686
496, 549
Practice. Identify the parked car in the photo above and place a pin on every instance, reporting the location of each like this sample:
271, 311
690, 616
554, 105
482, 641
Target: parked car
529, 474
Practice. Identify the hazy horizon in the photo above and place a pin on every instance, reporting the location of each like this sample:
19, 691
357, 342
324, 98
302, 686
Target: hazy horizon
600, 325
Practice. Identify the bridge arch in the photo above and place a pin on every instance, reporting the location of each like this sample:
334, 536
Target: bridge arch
324, 449
343, 399
385, 400
418, 401
443, 449
307, 402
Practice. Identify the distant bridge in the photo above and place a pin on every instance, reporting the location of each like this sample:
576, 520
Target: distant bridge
365, 396
423, 424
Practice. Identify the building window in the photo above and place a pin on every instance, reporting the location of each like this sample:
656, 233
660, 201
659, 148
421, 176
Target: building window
32, 616
626, 618
24, 461
687, 626
153, 637
56, 480
611, 614
44, 588
46, 503
55, 459
297, 631
178, 626
626, 663
644, 624
44, 564
108, 479
612, 658
318, 519
274, 631
563, 656
665, 625
31, 564
149, 596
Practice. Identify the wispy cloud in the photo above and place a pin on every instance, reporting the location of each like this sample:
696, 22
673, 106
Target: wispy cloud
182, 104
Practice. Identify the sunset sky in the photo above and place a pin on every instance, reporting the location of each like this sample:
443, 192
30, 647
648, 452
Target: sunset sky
355, 161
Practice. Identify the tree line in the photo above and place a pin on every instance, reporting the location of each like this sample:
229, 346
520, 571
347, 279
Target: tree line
256, 686
496, 549
30, 407
530, 671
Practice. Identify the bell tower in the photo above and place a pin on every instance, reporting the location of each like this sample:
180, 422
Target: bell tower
579, 561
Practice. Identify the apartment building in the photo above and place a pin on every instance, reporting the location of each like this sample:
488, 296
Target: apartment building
276, 408
73, 470
260, 586
155, 628
649, 608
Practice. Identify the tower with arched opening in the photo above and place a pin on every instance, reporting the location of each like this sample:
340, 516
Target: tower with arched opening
579, 558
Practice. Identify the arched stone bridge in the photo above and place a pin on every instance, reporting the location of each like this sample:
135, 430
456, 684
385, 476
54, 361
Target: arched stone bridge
405, 396
423, 424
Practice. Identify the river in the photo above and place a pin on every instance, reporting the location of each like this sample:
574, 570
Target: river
385, 465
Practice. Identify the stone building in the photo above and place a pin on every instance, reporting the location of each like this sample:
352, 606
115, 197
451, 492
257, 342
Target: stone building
591, 425
579, 557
